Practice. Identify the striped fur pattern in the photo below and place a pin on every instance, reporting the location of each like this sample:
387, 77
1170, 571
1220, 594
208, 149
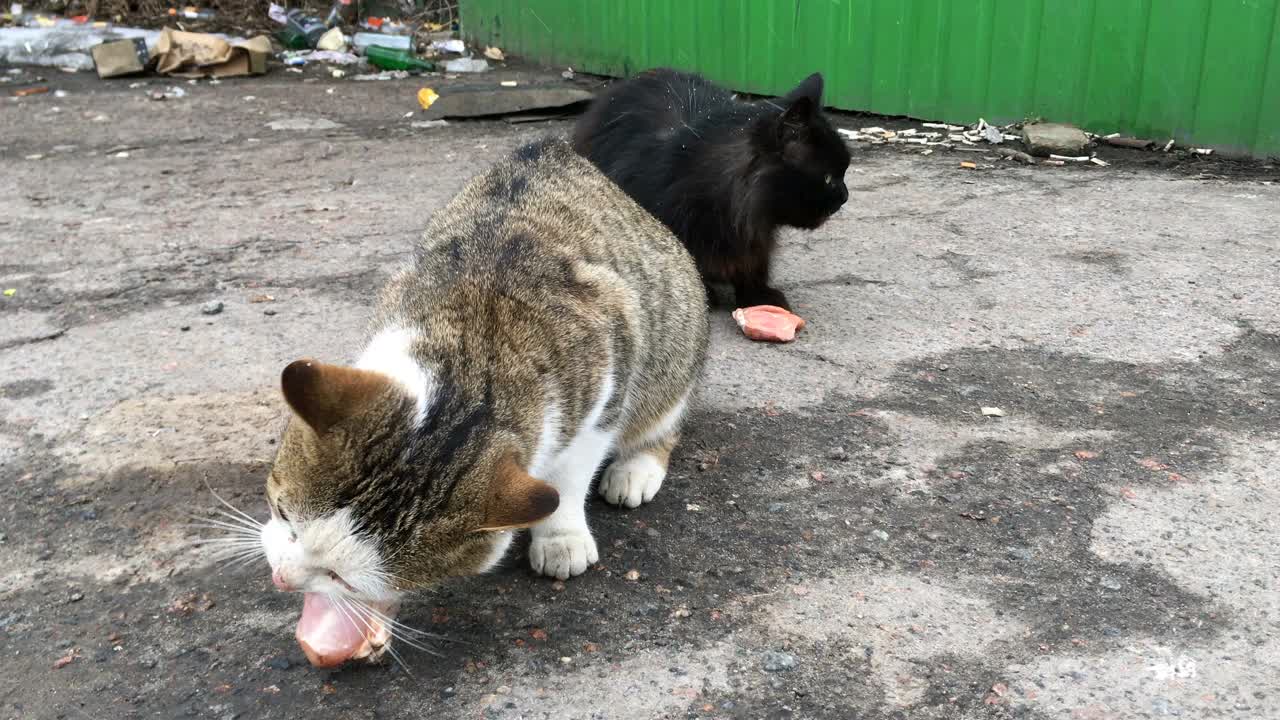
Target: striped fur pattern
546, 323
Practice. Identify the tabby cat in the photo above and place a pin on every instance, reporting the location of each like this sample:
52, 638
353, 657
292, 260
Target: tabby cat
724, 175
546, 322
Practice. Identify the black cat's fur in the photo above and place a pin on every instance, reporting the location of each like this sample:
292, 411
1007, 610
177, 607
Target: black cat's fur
722, 174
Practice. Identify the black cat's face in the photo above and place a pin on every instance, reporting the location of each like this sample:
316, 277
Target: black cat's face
808, 185
808, 158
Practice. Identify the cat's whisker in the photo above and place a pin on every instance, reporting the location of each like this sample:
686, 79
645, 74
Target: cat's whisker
223, 500
223, 524
408, 629
230, 530
249, 522
404, 633
345, 607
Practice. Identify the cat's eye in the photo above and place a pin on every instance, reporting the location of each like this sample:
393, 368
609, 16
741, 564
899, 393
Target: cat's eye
826, 180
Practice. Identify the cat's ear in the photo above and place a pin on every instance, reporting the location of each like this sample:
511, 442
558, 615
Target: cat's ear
324, 395
810, 87
800, 106
516, 499
792, 123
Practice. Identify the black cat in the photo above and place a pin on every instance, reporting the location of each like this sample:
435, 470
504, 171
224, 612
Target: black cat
721, 173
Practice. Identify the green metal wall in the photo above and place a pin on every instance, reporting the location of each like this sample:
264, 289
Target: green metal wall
1206, 72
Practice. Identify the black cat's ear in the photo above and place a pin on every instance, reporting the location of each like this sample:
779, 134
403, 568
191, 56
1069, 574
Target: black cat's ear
810, 87
800, 106
795, 119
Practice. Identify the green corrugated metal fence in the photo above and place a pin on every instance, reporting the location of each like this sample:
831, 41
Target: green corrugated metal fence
1205, 72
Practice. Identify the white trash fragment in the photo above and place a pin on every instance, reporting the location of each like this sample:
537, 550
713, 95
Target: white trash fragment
303, 123
1099, 162
425, 124
1068, 158
1202, 151
332, 41
993, 412
509, 83
384, 75
63, 46
1169, 145
494, 54
467, 65
279, 14
333, 56
457, 47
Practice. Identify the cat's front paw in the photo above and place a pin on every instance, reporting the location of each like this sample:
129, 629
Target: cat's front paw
633, 481
563, 553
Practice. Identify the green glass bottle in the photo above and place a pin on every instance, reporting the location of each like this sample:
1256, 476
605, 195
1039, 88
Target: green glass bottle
394, 59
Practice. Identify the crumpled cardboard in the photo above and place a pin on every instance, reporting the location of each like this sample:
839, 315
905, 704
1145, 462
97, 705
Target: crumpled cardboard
186, 54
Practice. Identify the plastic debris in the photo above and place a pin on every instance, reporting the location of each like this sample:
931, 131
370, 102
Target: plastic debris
457, 47
494, 54
993, 412
467, 65
278, 13
10, 292
1099, 162
362, 41
509, 83
333, 56
333, 41
192, 13
1202, 151
427, 97
385, 75
62, 46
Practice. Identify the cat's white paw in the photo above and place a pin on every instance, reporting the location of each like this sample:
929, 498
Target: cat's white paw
563, 554
634, 481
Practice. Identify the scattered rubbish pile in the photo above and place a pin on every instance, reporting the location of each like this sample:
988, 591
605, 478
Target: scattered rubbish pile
1045, 143
387, 45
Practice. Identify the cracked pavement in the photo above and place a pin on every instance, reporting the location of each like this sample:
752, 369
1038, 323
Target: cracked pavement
844, 534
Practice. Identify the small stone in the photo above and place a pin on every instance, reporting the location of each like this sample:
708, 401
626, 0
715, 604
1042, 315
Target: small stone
632, 575
880, 535
268, 312
503, 690
776, 507
278, 663
213, 307
448, 692
185, 328
148, 664
1023, 554
777, 661
1110, 582
89, 514
839, 454
77, 597
1046, 139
